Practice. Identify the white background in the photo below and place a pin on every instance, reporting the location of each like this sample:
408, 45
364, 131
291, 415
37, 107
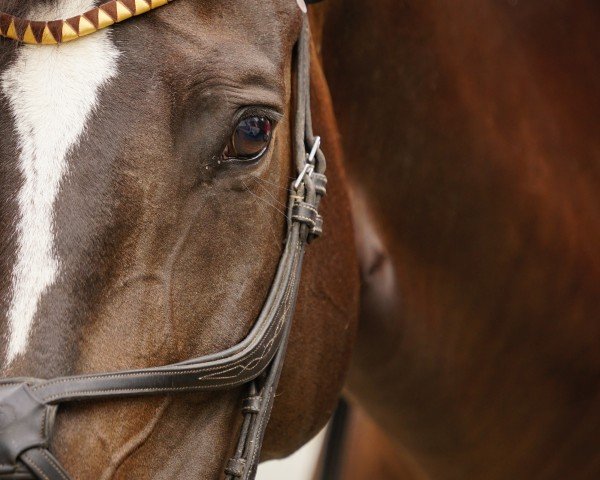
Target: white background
299, 466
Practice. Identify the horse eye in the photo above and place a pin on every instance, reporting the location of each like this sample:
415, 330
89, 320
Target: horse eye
249, 140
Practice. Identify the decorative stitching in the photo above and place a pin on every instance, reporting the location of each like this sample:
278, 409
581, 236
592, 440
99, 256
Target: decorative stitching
308, 206
267, 339
43, 425
51, 461
310, 221
35, 466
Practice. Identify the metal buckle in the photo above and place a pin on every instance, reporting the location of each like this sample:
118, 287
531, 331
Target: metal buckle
314, 150
309, 167
307, 170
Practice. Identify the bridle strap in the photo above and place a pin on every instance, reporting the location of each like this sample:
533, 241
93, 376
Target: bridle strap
42, 463
31, 404
258, 404
228, 369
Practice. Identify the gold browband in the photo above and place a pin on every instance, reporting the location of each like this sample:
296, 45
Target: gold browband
61, 31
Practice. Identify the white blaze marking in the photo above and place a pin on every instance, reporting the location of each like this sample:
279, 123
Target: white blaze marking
302, 5
51, 91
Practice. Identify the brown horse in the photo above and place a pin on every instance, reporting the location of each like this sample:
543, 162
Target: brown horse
127, 243
470, 129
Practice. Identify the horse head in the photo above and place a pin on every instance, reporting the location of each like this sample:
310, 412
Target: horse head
146, 172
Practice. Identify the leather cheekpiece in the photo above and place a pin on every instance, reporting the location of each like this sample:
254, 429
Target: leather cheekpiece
320, 181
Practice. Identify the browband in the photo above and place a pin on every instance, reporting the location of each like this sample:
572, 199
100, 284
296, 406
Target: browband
66, 30
28, 406
53, 32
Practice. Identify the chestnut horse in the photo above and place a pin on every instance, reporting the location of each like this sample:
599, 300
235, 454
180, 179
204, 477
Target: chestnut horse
470, 130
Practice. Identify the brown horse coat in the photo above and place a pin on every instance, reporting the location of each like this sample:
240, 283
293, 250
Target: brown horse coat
471, 129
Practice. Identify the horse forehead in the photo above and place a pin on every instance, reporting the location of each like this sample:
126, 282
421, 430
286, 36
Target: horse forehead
50, 92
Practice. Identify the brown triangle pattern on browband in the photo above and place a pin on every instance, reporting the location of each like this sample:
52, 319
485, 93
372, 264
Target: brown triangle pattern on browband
61, 31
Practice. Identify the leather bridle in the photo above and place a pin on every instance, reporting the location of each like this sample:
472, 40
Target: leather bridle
28, 406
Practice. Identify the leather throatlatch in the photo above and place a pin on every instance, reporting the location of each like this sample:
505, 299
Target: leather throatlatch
25, 422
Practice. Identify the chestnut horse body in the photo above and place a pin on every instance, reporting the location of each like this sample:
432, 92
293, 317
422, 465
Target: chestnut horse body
470, 130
